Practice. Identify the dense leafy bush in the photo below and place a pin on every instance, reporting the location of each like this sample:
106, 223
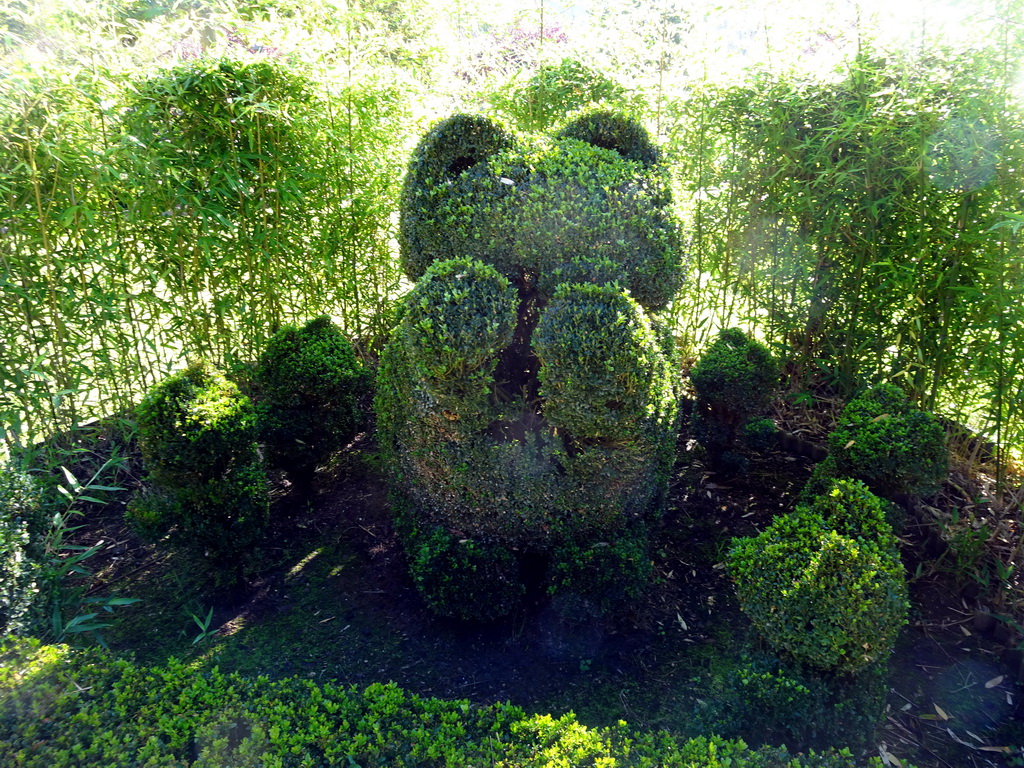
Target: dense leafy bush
464, 578
735, 380
553, 91
882, 439
309, 382
774, 699
63, 709
591, 196
198, 433
601, 371
612, 130
825, 583
525, 398
22, 526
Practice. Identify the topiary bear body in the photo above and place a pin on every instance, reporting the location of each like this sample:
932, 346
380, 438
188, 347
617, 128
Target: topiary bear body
527, 400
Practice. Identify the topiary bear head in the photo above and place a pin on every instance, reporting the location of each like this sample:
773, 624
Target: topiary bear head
592, 205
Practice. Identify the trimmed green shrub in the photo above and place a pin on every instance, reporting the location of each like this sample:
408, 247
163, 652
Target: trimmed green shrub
454, 153
473, 191
772, 699
825, 583
197, 433
601, 370
882, 439
552, 92
22, 528
309, 382
64, 709
465, 579
607, 575
614, 131
525, 398
734, 380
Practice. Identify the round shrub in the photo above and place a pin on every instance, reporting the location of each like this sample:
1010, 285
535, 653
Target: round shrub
734, 380
198, 433
825, 583
460, 314
612, 130
22, 527
601, 372
463, 578
456, 147
735, 377
310, 382
882, 439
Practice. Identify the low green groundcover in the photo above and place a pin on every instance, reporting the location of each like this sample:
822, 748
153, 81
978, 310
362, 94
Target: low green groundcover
84, 708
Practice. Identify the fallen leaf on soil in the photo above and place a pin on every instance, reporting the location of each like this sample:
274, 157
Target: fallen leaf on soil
939, 711
965, 630
681, 622
994, 682
1004, 750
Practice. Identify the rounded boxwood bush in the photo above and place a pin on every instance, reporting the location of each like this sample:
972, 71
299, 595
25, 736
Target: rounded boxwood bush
735, 380
613, 130
460, 314
825, 583
895, 448
309, 382
197, 433
601, 371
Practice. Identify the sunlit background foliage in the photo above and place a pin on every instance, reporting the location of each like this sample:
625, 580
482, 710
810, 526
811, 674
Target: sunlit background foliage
179, 180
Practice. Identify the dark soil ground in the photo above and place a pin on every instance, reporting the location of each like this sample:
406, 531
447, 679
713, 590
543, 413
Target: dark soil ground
330, 599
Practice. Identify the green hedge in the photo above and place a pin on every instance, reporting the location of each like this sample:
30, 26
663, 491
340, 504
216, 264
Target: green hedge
63, 709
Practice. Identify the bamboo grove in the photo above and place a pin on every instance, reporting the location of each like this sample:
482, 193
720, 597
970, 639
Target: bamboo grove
180, 195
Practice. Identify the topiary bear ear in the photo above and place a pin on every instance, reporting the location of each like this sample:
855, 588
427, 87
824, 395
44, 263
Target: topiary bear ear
611, 130
452, 147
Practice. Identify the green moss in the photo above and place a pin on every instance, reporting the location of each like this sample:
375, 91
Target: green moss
309, 382
825, 582
882, 439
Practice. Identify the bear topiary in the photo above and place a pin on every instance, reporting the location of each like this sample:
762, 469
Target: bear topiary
526, 401
885, 441
825, 583
197, 433
734, 380
309, 382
